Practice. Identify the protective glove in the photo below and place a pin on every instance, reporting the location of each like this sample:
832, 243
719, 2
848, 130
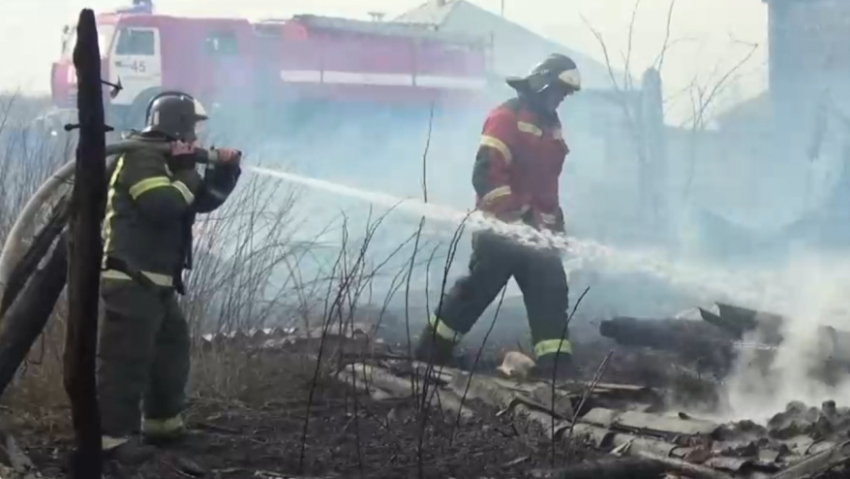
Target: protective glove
553, 222
182, 156
507, 209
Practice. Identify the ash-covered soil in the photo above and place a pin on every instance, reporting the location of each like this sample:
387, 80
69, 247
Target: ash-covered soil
260, 436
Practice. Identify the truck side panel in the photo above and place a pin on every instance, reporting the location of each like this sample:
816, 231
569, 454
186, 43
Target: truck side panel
352, 66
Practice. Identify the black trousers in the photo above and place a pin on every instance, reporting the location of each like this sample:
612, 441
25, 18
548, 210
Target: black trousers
495, 260
144, 357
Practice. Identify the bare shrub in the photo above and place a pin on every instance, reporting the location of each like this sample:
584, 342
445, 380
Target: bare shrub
29, 153
253, 269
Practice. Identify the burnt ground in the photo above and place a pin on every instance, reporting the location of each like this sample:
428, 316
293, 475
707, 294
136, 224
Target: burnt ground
259, 434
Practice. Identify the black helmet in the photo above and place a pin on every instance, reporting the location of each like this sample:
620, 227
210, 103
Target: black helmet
556, 70
175, 115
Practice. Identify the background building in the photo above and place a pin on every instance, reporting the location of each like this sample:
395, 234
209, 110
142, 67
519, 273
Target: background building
515, 48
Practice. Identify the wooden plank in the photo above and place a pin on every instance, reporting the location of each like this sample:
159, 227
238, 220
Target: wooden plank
817, 463
649, 423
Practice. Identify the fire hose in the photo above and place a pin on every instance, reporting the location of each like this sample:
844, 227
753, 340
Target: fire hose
28, 293
25, 222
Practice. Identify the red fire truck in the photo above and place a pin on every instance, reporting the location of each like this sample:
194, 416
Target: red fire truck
274, 63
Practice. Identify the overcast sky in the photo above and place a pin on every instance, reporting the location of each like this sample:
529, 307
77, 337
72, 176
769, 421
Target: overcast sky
705, 31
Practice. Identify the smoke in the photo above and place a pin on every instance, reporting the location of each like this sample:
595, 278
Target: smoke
814, 299
354, 163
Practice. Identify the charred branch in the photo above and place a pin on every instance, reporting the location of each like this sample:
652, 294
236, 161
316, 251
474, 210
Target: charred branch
696, 342
25, 320
31, 259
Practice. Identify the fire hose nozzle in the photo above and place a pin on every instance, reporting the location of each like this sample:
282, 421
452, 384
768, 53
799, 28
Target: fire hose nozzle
212, 156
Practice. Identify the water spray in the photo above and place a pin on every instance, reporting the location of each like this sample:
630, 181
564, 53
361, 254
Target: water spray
707, 282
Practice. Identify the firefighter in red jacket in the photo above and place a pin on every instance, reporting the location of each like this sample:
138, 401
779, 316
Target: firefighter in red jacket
515, 177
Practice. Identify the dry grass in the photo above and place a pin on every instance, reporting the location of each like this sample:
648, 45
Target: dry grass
250, 272
253, 269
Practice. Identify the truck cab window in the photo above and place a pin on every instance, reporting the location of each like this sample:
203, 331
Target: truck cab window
136, 42
221, 43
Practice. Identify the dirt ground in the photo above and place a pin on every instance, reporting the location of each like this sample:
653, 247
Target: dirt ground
259, 435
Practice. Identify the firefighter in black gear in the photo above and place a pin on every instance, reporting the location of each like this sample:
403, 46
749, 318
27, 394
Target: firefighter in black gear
515, 177
144, 339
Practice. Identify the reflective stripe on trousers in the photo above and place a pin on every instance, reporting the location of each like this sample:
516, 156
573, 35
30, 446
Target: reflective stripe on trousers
444, 331
552, 346
107, 442
163, 427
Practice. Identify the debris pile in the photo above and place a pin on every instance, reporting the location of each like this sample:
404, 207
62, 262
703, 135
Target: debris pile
627, 421
634, 426
709, 345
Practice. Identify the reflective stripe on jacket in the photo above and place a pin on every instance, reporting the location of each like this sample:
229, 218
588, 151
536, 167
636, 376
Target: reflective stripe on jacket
147, 209
519, 162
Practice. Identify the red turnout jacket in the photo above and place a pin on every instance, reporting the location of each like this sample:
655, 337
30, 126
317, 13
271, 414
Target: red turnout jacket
518, 164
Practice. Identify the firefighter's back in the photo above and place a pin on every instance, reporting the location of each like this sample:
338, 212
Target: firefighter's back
143, 226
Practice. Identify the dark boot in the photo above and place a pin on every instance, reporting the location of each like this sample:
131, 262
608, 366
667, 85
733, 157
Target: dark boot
129, 451
432, 348
545, 368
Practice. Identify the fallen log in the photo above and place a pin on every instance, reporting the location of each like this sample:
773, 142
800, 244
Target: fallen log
646, 466
609, 468
746, 320
766, 328
711, 346
694, 471
695, 341
26, 319
39, 248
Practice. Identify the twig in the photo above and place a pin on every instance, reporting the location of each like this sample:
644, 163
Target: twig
475, 363
701, 101
628, 59
334, 309
413, 377
425, 154
596, 378
555, 368
452, 251
659, 62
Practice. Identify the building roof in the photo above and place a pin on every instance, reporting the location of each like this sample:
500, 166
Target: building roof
516, 48
430, 13
405, 29
755, 110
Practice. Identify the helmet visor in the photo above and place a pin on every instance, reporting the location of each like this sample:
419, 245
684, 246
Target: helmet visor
200, 121
570, 80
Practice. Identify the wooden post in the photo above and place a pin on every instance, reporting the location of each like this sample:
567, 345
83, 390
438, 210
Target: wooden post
654, 183
84, 254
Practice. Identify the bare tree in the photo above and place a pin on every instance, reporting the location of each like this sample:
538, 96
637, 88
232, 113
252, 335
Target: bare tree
703, 97
641, 122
